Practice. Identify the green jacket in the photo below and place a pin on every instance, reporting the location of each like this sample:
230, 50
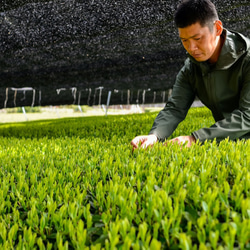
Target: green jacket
224, 88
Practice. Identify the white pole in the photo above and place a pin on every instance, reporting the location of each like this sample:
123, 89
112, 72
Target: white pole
79, 107
24, 112
108, 102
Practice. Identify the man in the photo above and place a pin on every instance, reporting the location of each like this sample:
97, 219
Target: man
217, 70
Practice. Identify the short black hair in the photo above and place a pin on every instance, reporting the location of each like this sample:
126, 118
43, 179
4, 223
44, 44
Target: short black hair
192, 11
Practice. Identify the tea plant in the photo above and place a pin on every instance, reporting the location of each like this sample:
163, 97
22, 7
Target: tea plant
76, 184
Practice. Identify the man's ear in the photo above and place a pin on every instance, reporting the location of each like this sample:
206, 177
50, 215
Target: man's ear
219, 27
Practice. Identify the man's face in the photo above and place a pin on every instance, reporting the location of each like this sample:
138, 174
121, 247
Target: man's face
200, 42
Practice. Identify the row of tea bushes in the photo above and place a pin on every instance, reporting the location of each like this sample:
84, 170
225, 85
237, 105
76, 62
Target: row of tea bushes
105, 127
82, 187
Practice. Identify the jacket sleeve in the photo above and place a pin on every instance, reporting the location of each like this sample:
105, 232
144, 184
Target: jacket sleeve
237, 124
176, 108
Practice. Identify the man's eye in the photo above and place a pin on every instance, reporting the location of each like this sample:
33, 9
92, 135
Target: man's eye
197, 39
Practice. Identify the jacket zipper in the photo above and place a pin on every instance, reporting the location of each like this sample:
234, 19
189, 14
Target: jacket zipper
212, 90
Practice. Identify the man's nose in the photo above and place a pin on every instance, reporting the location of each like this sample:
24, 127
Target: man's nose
192, 46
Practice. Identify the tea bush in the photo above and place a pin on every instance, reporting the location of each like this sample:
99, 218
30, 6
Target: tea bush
76, 184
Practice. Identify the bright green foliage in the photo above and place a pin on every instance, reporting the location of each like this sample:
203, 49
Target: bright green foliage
76, 184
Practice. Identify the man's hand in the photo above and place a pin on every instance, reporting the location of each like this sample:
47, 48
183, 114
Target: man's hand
144, 141
189, 140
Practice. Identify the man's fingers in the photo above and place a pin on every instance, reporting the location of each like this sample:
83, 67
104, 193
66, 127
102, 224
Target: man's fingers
144, 144
137, 141
134, 144
176, 140
143, 141
183, 140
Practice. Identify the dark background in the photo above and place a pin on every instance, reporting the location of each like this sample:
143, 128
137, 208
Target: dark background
78, 46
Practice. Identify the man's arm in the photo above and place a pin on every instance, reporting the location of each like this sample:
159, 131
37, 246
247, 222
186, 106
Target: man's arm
174, 112
236, 125
176, 108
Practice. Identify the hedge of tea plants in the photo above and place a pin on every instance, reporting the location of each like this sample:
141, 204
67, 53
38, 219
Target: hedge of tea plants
77, 184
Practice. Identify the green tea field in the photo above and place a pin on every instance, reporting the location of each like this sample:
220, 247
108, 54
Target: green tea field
75, 183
